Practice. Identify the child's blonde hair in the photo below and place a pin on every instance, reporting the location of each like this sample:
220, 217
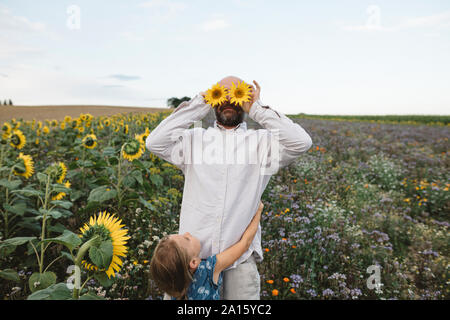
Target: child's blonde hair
169, 268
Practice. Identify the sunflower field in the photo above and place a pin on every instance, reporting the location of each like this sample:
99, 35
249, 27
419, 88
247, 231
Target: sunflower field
83, 204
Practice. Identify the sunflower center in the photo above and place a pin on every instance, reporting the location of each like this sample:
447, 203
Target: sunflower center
15, 139
89, 142
239, 93
216, 94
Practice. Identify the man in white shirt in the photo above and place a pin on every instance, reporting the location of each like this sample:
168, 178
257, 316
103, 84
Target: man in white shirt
227, 168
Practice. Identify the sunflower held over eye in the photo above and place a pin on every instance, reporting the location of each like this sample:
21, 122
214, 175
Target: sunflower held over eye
108, 228
90, 141
133, 149
17, 139
25, 167
216, 95
240, 93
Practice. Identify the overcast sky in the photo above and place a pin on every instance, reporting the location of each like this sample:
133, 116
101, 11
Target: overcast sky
316, 57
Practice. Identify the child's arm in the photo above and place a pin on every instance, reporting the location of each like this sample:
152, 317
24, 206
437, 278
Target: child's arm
230, 255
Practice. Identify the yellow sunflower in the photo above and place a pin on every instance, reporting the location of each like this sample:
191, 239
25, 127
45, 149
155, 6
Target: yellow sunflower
107, 122
110, 228
141, 138
6, 130
61, 172
90, 141
67, 119
17, 139
133, 149
216, 95
25, 168
62, 125
61, 195
240, 93
45, 130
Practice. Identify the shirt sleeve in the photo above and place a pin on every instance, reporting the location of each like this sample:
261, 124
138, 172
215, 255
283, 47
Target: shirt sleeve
169, 140
286, 140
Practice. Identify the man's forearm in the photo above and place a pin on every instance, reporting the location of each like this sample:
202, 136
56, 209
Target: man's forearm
292, 135
169, 131
292, 138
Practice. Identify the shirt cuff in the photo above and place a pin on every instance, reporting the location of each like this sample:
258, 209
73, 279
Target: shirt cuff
257, 104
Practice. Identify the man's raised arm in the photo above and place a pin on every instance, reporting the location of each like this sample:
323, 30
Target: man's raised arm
293, 139
168, 138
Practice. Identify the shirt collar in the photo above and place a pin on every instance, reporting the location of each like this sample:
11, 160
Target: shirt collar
242, 126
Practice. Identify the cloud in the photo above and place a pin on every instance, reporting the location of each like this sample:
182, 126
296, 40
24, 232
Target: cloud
10, 22
10, 49
215, 24
436, 21
113, 86
441, 20
3, 75
124, 77
164, 9
14, 29
131, 36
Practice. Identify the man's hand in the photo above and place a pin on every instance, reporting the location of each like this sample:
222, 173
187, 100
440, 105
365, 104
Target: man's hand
255, 94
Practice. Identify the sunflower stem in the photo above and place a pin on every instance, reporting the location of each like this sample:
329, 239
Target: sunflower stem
119, 178
7, 202
44, 222
81, 252
1, 155
82, 167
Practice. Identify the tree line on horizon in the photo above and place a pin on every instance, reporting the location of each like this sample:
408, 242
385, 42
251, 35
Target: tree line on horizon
6, 102
175, 102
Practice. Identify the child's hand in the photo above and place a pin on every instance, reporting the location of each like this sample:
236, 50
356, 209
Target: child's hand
261, 206
258, 213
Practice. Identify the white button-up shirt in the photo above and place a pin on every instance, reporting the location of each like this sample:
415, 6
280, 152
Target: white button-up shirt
224, 169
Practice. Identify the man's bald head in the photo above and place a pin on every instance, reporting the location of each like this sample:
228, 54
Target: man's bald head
226, 82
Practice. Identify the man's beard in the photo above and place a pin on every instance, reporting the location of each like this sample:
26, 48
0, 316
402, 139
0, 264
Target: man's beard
231, 119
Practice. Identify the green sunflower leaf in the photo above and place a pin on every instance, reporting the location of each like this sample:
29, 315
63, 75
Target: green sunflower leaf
39, 281
29, 192
63, 204
18, 208
109, 151
102, 255
138, 176
9, 274
101, 194
91, 296
58, 291
157, 180
105, 282
42, 177
68, 239
11, 185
